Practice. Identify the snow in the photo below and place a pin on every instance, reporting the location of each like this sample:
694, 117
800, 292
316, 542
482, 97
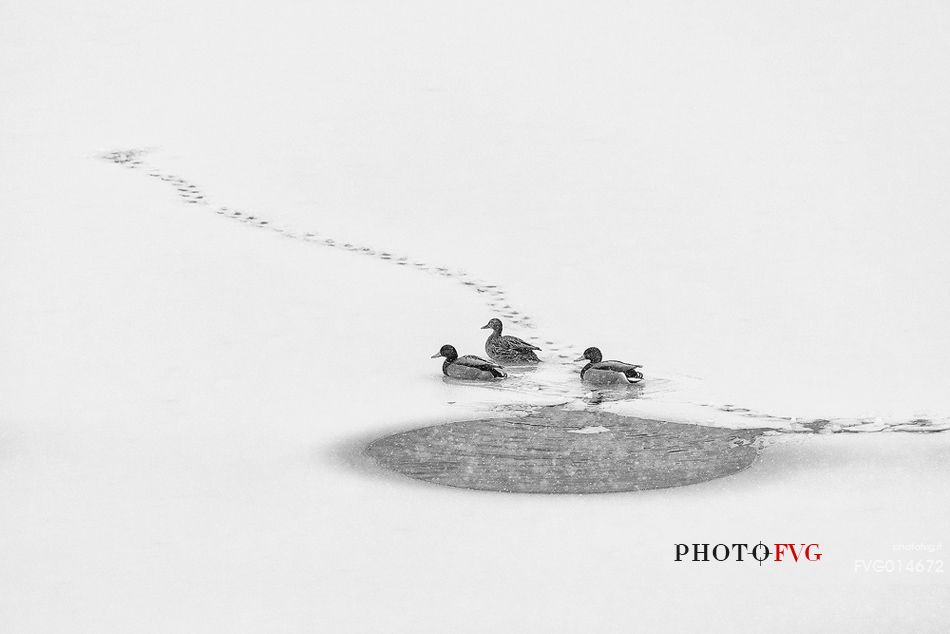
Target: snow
748, 199
594, 429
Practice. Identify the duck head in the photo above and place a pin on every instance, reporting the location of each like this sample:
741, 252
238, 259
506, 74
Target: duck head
448, 352
495, 324
591, 354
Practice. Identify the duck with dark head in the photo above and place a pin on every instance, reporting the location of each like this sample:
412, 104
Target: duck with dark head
506, 348
604, 372
468, 367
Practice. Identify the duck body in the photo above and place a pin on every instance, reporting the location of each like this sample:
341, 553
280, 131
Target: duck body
468, 367
608, 372
508, 349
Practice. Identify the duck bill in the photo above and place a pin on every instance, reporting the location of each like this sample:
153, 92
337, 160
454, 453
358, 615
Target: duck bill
581, 359
436, 355
485, 327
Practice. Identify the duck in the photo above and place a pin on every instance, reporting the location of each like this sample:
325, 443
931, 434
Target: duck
600, 371
508, 349
468, 367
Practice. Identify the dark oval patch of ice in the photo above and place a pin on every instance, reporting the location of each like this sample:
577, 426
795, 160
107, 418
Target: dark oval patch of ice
555, 451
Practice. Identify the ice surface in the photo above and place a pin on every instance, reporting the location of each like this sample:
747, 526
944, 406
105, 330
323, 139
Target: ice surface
595, 429
545, 453
182, 391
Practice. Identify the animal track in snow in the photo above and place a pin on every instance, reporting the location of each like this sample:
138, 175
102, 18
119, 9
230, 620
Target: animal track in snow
492, 295
495, 298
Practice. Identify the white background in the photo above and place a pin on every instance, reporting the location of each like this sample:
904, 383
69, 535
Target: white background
753, 194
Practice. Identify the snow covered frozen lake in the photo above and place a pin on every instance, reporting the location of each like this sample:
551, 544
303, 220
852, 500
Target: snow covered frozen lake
748, 199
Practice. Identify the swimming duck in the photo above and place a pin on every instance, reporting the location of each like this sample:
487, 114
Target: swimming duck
599, 371
468, 367
508, 349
